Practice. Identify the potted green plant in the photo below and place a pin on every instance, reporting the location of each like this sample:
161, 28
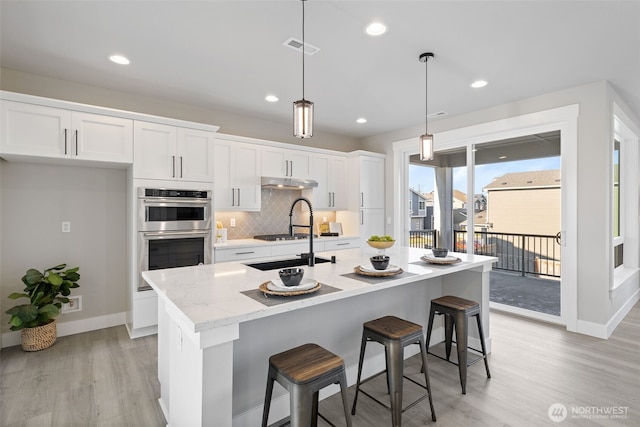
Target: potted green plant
47, 292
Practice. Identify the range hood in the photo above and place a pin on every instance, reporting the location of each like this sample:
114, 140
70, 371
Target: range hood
288, 183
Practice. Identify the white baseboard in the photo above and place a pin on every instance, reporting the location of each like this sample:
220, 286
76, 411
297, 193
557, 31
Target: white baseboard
12, 338
613, 323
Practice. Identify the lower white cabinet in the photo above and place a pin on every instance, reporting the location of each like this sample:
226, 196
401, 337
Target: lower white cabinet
336, 245
239, 253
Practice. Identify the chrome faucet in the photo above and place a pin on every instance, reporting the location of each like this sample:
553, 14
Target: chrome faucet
311, 259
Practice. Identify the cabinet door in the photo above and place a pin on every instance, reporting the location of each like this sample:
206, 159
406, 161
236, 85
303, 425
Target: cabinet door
371, 182
274, 162
320, 166
338, 183
223, 190
247, 177
194, 160
154, 151
101, 138
299, 164
371, 222
34, 130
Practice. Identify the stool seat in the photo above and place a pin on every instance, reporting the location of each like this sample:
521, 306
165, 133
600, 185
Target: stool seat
457, 312
395, 334
392, 327
303, 371
306, 363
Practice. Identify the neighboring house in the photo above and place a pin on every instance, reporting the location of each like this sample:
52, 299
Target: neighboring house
421, 210
524, 202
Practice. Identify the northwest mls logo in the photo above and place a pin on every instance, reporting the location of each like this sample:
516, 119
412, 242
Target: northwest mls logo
557, 412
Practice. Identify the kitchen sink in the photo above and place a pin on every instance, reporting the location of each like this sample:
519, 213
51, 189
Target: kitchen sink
285, 263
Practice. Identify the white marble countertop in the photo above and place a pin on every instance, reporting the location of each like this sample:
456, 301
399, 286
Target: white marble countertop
210, 296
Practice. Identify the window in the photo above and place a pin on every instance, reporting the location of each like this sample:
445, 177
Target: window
618, 236
421, 205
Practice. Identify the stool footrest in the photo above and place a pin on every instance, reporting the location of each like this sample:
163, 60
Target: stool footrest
469, 363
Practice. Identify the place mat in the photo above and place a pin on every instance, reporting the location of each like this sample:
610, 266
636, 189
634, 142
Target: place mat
271, 300
373, 279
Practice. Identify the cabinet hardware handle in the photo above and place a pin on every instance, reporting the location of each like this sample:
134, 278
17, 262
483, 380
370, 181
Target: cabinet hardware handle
65, 142
361, 218
76, 142
181, 166
286, 168
245, 253
238, 197
329, 199
291, 161
233, 197
362, 200
333, 200
173, 166
343, 244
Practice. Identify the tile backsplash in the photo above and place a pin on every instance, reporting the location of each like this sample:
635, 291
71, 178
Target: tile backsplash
273, 217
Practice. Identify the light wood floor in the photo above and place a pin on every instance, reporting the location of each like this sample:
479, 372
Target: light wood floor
103, 378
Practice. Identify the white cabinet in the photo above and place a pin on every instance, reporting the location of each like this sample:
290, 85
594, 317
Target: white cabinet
343, 243
55, 133
237, 176
239, 253
371, 222
280, 162
172, 153
331, 173
371, 182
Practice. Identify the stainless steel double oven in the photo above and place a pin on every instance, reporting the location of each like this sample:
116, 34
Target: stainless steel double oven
174, 229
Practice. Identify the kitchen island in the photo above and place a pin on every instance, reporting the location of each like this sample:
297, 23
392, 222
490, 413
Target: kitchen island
216, 331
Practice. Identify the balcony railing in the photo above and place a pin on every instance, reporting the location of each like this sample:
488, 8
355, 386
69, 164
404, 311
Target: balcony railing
422, 238
523, 253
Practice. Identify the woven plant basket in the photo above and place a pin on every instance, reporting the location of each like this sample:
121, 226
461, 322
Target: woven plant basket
40, 337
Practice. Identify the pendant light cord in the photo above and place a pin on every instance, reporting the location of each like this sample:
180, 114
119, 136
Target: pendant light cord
426, 92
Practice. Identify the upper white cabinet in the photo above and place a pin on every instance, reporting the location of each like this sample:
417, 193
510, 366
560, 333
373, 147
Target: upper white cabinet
48, 132
172, 153
237, 184
371, 182
331, 173
280, 162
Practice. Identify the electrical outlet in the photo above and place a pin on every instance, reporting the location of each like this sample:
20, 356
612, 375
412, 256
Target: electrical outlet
66, 226
74, 304
232, 222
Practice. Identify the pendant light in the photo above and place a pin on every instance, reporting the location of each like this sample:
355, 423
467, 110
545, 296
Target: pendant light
426, 140
303, 109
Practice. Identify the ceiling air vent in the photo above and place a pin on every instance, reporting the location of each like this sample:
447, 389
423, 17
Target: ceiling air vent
296, 45
437, 114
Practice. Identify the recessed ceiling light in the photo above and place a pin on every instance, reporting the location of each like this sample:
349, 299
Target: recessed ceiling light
478, 84
271, 98
361, 120
502, 157
119, 59
375, 29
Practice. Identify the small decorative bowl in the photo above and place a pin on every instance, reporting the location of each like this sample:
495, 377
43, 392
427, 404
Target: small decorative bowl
380, 244
439, 252
379, 262
291, 276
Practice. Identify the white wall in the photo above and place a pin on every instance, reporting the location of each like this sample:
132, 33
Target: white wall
36, 198
234, 124
594, 178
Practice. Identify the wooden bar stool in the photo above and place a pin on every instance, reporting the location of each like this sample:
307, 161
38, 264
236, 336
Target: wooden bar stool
303, 371
456, 313
395, 334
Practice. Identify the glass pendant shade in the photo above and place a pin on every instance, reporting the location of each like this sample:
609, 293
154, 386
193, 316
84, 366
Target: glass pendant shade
303, 118
426, 147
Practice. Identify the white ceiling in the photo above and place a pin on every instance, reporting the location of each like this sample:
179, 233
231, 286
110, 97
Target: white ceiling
229, 54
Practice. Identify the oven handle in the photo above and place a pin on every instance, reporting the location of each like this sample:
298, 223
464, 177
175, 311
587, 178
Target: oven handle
173, 234
169, 202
